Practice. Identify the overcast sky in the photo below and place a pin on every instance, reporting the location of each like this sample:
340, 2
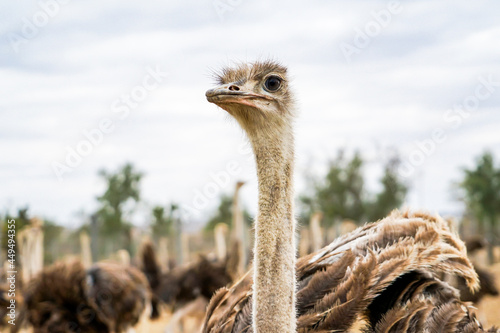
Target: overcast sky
368, 75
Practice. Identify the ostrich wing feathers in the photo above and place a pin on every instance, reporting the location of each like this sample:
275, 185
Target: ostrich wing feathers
385, 275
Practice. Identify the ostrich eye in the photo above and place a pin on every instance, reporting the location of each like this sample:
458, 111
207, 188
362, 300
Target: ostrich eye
273, 83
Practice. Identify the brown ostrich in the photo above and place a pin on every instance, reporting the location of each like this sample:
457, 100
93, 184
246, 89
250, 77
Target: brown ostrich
487, 285
383, 274
185, 289
150, 266
238, 243
183, 284
474, 243
106, 298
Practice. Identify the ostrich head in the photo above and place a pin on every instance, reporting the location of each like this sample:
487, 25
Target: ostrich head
257, 95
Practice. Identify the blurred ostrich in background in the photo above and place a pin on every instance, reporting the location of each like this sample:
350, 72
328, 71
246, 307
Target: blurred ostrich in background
66, 297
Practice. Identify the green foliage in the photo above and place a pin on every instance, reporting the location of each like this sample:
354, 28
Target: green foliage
51, 234
481, 185
393, 192
163, 220
224, 213
342, 193
122, 188
116, 204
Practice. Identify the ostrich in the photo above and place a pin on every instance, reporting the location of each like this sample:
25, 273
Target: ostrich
238, 235
182, 284
486, 278
66, 297
187, 288
383, 274
220, 232
315, 226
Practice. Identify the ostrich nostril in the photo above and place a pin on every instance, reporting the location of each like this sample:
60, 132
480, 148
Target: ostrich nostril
234, 88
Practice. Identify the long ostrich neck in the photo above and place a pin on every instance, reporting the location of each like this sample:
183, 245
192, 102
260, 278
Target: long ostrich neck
274, 263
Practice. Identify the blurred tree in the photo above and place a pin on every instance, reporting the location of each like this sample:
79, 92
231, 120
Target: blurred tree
122, 192
481, 185
21, 219
51, 232
51, 236
224, 214
393, 192
342, 194
162, 223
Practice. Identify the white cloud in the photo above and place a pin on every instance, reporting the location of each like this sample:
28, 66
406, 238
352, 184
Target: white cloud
393, 93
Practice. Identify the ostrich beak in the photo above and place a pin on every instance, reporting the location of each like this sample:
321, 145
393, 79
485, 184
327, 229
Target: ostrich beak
232, 94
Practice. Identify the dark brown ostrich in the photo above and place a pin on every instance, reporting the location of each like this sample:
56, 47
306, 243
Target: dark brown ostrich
201, 278
474, 243
149, 265
487, 285
106, 298
183, 284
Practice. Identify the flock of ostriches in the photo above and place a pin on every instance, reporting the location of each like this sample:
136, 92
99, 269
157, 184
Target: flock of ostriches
387, 276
